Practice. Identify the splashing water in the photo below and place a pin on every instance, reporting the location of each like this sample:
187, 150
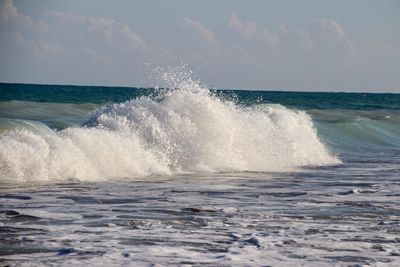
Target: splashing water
184, 129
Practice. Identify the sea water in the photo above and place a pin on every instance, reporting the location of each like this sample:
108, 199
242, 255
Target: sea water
191, 176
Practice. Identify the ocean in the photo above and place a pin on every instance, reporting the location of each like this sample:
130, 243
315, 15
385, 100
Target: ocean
187, 176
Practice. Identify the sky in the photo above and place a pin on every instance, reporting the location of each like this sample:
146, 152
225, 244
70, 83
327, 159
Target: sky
309, 45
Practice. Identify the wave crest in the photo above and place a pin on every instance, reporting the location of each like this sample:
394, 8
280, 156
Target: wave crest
185, 130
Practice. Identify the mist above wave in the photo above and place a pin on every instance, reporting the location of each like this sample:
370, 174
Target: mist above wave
186, 129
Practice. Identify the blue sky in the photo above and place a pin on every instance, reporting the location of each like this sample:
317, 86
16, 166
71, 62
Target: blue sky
271, 45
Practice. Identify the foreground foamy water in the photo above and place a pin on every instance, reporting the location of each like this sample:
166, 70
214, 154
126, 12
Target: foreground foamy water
97, 176
344, 216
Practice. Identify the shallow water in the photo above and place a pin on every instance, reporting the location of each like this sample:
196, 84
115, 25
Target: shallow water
347, 215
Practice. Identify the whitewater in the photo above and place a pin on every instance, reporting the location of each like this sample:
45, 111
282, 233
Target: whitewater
186, 176
186, 129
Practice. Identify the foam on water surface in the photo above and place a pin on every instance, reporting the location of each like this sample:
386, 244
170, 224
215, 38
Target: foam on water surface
313, 218
187, 177
186, 129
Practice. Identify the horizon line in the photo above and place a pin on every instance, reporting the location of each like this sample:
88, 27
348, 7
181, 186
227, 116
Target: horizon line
224, 89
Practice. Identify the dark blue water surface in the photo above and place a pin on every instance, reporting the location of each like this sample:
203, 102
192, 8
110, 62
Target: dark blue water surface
101, 94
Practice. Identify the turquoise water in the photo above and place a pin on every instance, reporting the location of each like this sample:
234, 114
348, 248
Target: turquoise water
190, 176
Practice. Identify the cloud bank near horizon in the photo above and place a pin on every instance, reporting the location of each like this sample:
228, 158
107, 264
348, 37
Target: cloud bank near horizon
62, 47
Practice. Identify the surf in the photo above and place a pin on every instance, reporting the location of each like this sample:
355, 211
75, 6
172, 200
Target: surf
186, 129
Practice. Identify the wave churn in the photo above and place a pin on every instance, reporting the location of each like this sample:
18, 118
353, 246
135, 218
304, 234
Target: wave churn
185, 129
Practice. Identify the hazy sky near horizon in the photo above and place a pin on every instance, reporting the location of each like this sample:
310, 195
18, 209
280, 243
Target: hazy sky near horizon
307, 45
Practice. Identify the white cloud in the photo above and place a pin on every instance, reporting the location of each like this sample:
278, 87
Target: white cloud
113, 31
77, 48
10, 14
105, 45
8, 11
205, 32
283, 29
250, 31
25, 31
305, 39
334, 27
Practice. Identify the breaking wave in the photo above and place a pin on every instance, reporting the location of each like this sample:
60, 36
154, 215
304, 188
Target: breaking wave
185, 129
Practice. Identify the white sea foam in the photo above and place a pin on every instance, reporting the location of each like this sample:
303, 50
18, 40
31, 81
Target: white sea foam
185, 130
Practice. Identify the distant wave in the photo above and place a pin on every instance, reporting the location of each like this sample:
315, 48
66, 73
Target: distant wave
55, 115
187, 129
359, 130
